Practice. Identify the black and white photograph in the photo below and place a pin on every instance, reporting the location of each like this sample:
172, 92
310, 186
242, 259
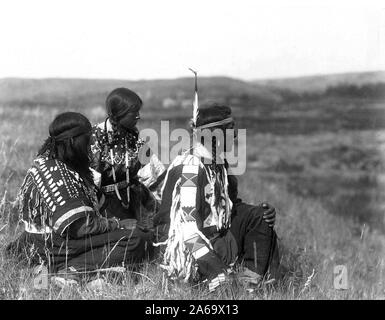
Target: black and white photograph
196, 151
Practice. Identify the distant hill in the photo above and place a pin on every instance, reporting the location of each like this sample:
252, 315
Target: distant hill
175, 93
322, 82
91, 92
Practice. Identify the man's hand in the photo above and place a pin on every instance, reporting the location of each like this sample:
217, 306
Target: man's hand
268, 214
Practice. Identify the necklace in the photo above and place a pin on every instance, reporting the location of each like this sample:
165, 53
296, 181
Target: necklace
129, 155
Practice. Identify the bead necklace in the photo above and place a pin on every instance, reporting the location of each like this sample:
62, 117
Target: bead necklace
129, 155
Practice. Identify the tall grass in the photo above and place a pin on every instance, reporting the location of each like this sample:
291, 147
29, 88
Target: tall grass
312, 241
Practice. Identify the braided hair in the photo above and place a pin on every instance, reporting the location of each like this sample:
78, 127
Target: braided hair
212, 113
208, 114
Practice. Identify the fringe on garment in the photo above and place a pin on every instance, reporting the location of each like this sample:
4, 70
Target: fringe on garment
222, 210
177, 260
34, 214
33, 210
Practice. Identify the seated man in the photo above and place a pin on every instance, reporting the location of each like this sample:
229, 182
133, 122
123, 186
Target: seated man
209, 227
65, 226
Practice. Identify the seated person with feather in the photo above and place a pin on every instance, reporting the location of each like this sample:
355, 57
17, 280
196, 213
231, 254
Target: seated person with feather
210, 231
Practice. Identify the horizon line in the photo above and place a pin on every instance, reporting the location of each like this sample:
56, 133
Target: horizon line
201, 77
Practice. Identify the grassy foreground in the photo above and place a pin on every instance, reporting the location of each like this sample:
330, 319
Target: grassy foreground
312, 241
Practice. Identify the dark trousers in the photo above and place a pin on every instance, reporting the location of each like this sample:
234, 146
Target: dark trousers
87, 254
256, 241
256, 244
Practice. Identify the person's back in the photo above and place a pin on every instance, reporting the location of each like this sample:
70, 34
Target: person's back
53, 196
209, 227
64, 220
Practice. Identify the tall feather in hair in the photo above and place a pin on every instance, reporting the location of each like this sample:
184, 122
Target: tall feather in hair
195, 103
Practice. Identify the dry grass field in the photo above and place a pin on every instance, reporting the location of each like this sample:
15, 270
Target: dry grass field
324, 181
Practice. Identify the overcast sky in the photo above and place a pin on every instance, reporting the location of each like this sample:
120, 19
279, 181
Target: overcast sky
161, 39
